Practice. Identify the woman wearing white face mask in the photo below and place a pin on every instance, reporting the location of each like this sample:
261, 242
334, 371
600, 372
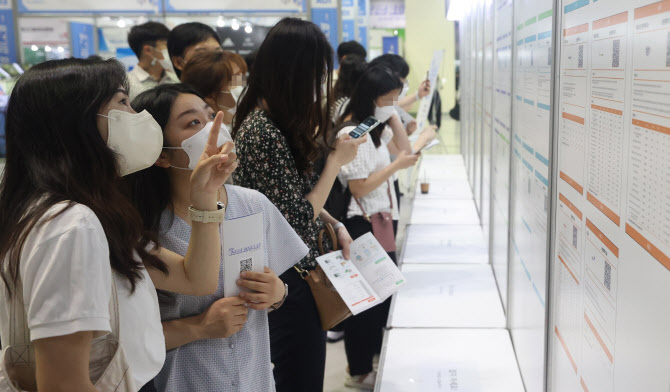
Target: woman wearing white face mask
369, 178
232, 333
149, 42
72, 243
219, 78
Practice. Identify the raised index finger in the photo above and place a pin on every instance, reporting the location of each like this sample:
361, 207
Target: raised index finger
213, 138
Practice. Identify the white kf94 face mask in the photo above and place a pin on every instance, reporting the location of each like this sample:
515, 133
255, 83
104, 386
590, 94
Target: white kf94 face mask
236, 93
384, 113
136, 138
195, 145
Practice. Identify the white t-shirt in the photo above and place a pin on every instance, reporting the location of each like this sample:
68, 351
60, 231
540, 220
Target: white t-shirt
66, 275
371, 159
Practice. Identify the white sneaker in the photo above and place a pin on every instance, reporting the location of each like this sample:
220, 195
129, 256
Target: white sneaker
365, 381
334, 336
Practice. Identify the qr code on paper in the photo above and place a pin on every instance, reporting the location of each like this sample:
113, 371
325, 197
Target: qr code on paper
574, 236
245, 265
608, 276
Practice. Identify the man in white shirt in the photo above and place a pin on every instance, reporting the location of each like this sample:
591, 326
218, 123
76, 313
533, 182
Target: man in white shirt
149, 42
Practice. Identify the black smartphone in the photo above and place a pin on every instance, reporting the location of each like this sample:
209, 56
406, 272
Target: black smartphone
366, 126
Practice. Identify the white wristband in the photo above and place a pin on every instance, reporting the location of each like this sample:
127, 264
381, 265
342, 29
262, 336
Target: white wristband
338, 225
418, 98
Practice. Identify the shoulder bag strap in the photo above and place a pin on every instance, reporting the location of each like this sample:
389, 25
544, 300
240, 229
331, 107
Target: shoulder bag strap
19, 334
365, 214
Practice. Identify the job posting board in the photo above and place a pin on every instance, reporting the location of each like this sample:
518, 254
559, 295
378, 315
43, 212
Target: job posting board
611, 262
566, 136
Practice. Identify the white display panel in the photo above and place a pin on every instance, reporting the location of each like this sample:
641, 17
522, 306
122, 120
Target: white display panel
531, 141
466, 295
473, 360
443, 212
479, 104
445, 244
611, 262
501, 148
487, 119
445, 189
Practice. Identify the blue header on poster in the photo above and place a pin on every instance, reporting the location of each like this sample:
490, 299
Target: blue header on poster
81, 36
390, 45
7, 38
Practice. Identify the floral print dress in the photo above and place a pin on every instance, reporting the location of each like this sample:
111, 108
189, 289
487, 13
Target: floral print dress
266, 164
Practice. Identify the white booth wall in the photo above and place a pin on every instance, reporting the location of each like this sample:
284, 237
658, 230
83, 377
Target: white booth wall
566, 138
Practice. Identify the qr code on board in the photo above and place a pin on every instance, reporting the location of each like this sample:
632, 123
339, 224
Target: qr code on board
580, 57
245, 265
667, 51
616, 48
574, 236
608, 276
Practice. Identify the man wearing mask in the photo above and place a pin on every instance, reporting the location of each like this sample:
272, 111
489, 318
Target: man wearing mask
149, 42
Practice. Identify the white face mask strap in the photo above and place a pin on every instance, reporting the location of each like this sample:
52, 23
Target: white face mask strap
106, 116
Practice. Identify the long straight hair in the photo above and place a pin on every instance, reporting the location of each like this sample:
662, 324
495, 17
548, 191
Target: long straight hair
55, 154
293, 72
377, 80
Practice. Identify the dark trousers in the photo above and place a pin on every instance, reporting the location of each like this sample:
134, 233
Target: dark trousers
297, 342
363, 333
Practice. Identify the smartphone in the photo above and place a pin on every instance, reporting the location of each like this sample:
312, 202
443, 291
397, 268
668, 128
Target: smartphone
366, 126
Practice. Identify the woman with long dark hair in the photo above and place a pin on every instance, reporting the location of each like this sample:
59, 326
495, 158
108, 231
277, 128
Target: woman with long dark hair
215, 343
369, 178
70, 238
278, 126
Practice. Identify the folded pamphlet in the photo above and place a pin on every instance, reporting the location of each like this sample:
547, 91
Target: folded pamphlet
368, 279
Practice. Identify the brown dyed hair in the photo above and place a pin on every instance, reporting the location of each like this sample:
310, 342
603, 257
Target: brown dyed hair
206, 72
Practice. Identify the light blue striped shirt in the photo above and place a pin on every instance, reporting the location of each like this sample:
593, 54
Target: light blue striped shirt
240, 363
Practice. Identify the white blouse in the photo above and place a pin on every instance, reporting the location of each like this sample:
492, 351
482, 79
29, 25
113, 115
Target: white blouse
371, 159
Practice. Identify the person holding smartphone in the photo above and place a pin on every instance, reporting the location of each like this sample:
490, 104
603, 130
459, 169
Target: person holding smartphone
369, 178
278, 126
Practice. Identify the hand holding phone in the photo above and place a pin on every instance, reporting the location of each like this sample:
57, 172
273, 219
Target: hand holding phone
366, 126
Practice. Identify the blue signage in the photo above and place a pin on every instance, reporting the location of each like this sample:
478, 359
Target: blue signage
348, 30
7, 38
326, 19
81, 37
390, 45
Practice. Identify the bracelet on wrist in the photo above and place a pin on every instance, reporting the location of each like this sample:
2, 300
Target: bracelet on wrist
338, 225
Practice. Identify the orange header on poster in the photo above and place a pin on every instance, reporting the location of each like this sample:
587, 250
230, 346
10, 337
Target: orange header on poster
652, 127
603, 238
611, 21
572, 117
576, 30
570, 205
648, 246
608, 110
603, 208
572, 183
652, 9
